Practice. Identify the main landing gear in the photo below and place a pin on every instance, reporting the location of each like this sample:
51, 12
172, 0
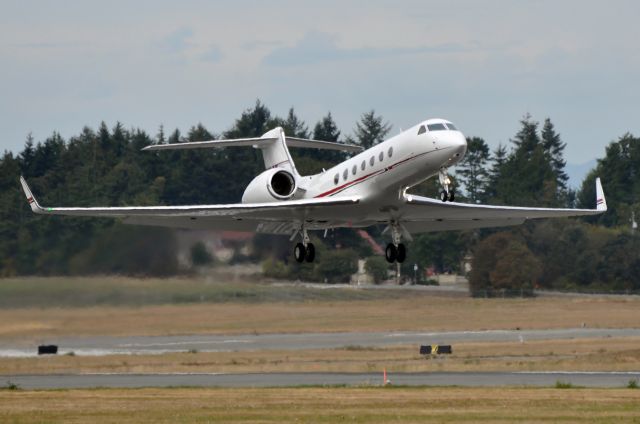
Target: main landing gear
304, 251
445, 181
395, 251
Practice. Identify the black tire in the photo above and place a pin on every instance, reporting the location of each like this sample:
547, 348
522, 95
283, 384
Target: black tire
444, 196
452, 195
299, 252
390, 253
311, 253
402, 253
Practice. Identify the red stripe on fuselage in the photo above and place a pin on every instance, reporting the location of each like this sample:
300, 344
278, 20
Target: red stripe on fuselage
359, 180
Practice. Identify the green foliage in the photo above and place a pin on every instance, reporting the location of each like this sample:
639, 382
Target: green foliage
619, 173
337, 266
371, 129
128, 250
273, 268
564, 385
503, 263
473, 168
200, 256
632, 384
377, 267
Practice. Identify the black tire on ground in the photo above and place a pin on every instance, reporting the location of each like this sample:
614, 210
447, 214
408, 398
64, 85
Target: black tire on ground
311, 253
452, 195
299, 252
402, 253
390, 253
444, 196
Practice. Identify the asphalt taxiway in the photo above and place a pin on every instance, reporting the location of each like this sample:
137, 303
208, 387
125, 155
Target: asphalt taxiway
108, 345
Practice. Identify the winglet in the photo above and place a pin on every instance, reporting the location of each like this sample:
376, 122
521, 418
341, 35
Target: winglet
601, 202
35, 207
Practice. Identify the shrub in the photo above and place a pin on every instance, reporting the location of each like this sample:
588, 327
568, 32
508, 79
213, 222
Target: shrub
377, 267
200, 255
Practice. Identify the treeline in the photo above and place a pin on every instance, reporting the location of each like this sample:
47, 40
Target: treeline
106, 167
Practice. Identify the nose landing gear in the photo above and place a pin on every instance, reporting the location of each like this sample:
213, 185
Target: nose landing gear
447, 193
304, 251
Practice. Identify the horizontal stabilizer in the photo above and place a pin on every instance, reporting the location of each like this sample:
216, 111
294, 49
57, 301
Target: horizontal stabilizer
317, 144
257, 142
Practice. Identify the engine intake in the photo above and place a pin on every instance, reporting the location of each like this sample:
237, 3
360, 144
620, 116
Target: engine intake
271, 185
282, 185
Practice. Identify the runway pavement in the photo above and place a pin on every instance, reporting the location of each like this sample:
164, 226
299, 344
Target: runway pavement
106, 345
465, 379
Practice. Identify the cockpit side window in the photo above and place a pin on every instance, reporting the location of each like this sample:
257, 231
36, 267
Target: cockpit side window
451, 126
436, 127
422, 130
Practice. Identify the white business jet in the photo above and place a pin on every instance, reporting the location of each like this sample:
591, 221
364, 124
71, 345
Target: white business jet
367, 189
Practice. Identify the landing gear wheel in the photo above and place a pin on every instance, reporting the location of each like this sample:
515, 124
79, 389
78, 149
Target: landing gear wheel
391, 253
311, 253
452, 195
402, 253
299, 252
444, 196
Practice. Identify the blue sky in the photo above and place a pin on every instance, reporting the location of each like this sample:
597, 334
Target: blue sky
482, 64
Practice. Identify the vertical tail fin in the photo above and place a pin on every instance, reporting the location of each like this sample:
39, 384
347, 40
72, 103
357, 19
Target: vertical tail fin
275, 152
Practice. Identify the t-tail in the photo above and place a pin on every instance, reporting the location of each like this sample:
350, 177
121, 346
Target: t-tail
274, 145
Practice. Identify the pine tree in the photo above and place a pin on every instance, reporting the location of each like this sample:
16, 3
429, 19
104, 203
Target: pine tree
371, 129
293, 126
498, 160
554, 148
472, 170
326, 129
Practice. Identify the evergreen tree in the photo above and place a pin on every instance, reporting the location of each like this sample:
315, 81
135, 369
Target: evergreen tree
326, 129
292, 125
472, 170
371, 129
498, 160
554, 148
527, 177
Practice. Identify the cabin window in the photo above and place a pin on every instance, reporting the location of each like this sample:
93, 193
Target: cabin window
345, 174
381, 156
363, 165
390, 152
372, 161
354, 169
336, 179
436, 127
422, 130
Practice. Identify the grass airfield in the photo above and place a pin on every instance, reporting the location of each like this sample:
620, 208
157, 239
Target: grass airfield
40, 309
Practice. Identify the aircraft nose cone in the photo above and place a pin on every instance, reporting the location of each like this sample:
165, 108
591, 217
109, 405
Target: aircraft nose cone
458, 142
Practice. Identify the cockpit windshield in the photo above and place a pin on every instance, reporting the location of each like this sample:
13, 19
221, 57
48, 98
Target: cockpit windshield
441, 126
436, 127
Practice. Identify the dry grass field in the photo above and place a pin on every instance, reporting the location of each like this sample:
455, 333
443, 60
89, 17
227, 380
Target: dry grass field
259, 308
322, 405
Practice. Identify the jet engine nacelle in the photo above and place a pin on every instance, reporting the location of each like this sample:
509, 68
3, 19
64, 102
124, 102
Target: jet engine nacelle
270, 186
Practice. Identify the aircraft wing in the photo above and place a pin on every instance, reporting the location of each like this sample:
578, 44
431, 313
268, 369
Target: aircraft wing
423, 214
239, 216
